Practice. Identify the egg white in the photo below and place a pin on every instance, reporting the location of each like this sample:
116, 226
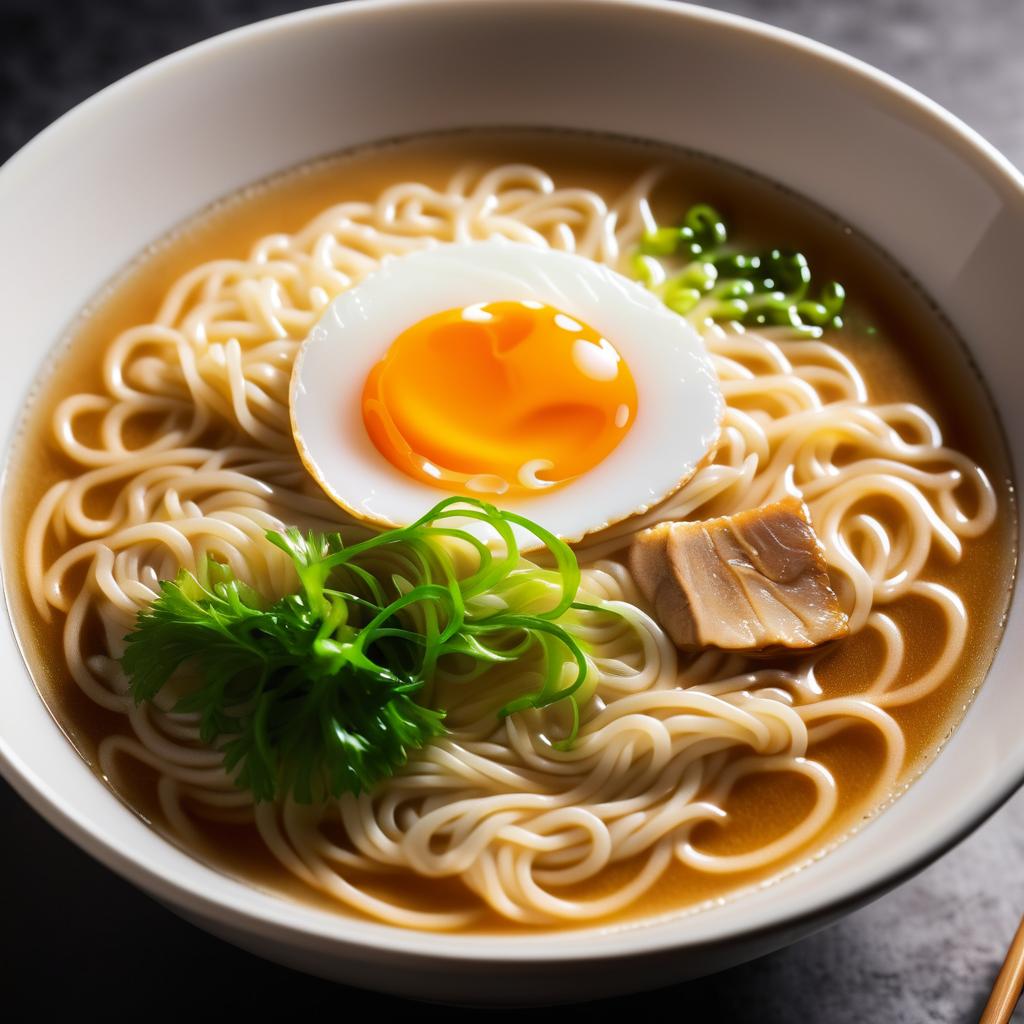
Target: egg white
679, 400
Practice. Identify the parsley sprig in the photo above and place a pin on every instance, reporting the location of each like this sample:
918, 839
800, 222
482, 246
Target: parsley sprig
316, 693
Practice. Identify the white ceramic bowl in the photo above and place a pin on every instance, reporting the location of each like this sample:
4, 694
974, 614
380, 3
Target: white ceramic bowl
130, 163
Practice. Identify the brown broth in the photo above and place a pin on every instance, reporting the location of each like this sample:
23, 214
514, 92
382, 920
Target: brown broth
899, 342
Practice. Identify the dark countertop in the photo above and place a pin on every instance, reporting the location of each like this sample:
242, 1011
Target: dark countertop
926, 953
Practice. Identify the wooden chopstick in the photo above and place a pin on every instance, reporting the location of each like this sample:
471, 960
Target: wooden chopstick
1006, 990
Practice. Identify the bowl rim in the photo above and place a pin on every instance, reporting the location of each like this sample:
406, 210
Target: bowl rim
279, 916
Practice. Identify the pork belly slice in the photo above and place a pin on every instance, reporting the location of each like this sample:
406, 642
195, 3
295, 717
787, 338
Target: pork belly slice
748, 581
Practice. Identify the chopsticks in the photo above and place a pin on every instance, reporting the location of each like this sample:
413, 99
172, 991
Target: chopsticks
1006, 990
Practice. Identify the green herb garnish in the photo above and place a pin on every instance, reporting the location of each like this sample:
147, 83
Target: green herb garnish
316, 693
700, 276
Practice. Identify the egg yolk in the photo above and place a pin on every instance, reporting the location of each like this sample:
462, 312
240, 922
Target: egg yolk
499, 398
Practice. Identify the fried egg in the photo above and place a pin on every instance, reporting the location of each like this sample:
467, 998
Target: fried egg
536, 379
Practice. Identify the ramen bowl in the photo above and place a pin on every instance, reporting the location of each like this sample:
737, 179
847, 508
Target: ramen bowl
128, 165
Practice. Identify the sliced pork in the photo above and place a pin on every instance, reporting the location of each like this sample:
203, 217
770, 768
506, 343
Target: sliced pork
749, 581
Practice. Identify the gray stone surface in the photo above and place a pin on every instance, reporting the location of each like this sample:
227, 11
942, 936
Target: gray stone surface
925, 953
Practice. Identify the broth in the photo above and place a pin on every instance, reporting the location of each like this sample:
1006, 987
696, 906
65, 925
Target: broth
899, 342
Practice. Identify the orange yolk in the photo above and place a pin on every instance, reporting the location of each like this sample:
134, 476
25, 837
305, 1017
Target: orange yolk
499, 398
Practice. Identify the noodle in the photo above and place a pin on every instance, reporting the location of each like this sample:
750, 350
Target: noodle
188, 452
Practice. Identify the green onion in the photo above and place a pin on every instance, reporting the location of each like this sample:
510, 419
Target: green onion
706, 280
